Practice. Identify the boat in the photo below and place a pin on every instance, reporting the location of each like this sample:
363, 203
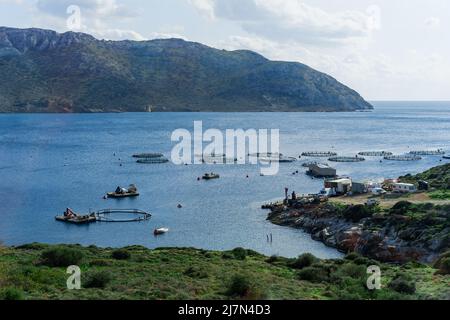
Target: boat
446, 157
70, 216
148, 155
210, 176
124, 193
160, 231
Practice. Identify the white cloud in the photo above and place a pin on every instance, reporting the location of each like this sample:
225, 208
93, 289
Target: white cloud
432, 22
292, 20
98, 17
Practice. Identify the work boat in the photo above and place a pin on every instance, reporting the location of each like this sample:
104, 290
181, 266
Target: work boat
210, 176
124, 193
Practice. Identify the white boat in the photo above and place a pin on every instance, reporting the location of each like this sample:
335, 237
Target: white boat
160, 231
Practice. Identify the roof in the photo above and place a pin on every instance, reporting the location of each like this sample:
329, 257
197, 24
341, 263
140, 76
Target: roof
341, 181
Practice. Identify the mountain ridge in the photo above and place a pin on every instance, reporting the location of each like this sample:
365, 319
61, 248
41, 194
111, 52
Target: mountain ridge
47, 71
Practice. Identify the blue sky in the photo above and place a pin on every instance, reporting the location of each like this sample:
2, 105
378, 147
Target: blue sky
385, 49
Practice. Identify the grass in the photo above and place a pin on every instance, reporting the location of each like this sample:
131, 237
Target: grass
178, 273
440, 195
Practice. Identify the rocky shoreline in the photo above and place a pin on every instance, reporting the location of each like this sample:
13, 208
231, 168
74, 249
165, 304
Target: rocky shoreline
407, 232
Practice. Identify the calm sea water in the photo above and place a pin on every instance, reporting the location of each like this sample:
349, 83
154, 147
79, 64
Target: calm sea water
50, 162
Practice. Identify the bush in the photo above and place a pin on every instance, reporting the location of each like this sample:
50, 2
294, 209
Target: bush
243, 287
121, 254
357, 213
11, 294
240, 253
61, 257
352, 256
196, 273
402, 285
239, 286
444, 266
303, 261
98, 280
100, 263
273, 259
313, 274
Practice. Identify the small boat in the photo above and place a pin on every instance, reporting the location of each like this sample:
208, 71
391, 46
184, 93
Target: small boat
210, 176
124, 193
160, 231
446, 157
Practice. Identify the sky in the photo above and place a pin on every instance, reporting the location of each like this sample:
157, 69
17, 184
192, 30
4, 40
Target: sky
384, 49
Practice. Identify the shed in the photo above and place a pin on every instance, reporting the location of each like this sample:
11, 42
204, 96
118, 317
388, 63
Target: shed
341, 186
359, 187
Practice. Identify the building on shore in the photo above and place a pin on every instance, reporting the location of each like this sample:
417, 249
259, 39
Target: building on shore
404, 187
359, 187
339, 186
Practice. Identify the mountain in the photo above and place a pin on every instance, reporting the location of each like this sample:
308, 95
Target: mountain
45, 71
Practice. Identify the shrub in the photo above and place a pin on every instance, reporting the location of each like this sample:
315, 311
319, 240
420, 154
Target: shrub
11, 294
273, 259
313, 274
100, 263
357, 213
121, 254
444, 267
402, 285
243, 287
196, 273
352, 270
239, 286
352, 256
98, 280
240, 253
61, 257
303, 261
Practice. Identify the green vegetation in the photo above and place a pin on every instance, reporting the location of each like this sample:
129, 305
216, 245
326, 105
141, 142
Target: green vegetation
61, 257
121, 254
440, 195
198, 274
437, 177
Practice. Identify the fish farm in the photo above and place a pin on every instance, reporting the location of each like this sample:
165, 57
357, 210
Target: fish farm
318, 154
428, 153
147, 155
347, 159
153, 160
108, 215
406, 157
375, 153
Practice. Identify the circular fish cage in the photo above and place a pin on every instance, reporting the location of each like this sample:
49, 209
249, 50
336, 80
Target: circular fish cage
152, 160
428, 153
135, 215
406, 157
375, 153
148, 155
281, 159
319, 154
347, 159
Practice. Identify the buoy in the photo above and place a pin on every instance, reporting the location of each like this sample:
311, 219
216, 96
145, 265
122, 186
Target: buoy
179, 206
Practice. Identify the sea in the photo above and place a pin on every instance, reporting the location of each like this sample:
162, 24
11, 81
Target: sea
49, 162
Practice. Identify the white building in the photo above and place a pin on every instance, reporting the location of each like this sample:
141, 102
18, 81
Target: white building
404, 187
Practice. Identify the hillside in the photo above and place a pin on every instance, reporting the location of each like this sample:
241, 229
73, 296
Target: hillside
44, 71
39, 272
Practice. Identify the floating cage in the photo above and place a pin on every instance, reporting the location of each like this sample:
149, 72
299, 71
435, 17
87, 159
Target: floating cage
148, 155
280, 159
375, 153
266, 155
428, 153
347, 159
406, 157
131, 215
153, 160
319, 154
